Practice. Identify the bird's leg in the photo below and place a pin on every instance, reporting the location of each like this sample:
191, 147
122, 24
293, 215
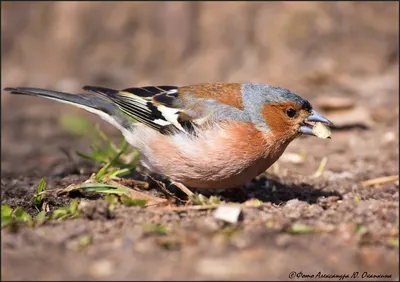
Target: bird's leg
183, 188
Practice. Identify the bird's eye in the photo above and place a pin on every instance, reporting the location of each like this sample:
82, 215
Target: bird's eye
291, 112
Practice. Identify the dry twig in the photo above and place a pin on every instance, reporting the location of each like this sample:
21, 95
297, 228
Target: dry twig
380, 180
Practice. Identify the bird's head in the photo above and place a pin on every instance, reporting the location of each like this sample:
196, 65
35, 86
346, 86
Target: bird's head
283, 113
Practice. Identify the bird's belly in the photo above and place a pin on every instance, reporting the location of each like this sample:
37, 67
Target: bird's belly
222, 159
220, 179
212, 173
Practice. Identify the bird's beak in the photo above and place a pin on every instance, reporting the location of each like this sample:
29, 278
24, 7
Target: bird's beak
308, 125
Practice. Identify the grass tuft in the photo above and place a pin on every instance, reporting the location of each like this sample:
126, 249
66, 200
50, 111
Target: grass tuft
199, 199
117, 161
70, 211
37, 199
117, 200
12, 218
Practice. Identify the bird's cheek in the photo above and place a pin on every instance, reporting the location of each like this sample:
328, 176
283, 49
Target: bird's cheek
295, 130
290, 132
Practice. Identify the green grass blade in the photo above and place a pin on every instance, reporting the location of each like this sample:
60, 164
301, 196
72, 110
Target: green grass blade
40, 217
103, 188
127, 201
5, 211
90, 158
21, 215
6, 220
119, 173
41, 186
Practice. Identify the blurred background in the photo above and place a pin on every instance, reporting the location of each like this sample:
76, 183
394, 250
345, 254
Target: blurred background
64, 45
341, 56
316, 49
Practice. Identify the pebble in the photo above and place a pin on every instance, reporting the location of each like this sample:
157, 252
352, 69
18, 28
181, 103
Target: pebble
228, 213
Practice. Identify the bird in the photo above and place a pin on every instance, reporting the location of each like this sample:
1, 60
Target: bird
217, 135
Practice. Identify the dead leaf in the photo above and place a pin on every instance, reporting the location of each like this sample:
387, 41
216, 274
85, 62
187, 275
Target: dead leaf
380, 180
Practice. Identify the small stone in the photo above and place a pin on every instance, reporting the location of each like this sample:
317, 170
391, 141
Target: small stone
228, 213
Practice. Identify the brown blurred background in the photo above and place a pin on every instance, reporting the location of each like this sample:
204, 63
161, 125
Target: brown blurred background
347, 50
317, 49
64, 45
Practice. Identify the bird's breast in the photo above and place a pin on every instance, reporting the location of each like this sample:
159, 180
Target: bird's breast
222, 158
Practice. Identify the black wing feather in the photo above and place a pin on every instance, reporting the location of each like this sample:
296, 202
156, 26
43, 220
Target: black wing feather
137, 103
149, 91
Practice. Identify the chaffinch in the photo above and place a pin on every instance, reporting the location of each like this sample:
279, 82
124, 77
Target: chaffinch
211, 135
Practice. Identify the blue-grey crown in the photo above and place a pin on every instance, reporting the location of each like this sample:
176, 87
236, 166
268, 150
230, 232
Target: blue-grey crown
262, 93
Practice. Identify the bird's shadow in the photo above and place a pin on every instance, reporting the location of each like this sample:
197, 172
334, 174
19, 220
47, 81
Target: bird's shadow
264, 188
270, 190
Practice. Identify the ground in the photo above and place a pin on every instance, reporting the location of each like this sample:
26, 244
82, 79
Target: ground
197, 246
307, 224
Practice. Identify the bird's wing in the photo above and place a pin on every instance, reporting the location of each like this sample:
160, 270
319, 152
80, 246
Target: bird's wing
138, 104
171, 108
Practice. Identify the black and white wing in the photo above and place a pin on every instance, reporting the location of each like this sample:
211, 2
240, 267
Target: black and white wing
155, 106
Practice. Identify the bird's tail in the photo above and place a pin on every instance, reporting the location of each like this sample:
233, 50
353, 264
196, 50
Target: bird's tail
90, 102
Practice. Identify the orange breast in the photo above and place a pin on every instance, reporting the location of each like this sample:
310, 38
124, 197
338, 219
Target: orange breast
225, 157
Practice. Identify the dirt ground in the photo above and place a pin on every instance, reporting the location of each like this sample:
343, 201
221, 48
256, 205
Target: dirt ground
355, 226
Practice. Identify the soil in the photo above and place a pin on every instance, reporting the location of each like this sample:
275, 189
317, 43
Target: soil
354, 225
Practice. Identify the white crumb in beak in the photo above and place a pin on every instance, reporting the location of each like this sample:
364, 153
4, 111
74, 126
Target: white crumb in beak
321, 130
